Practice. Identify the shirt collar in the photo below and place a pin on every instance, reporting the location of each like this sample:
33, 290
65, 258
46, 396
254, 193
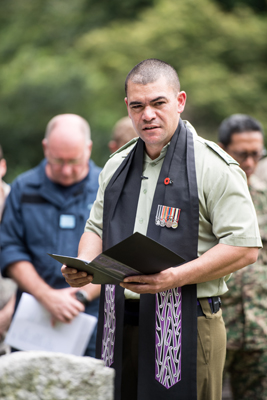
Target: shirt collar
159, 158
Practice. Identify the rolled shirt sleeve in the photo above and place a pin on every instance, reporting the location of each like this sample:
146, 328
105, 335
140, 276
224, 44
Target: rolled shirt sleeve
12, 234
226, 212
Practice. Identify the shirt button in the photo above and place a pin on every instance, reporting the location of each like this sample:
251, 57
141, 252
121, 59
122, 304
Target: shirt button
141, 220
145, 191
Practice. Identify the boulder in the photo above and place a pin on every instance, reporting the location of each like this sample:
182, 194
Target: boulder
37, 375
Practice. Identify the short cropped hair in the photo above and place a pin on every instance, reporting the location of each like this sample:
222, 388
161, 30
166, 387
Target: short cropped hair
85, 127
237, 123
150, 70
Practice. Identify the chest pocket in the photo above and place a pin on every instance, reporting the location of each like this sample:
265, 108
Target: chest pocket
38, 216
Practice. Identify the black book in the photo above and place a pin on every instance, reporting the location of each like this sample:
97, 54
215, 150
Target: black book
136, 255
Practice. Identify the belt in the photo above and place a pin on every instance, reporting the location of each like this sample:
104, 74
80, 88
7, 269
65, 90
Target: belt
214, 303
131, 313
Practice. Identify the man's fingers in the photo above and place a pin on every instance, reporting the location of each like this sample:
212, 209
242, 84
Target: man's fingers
67, 313
76, 278
68, 270
80, 281
78, 275
135, 278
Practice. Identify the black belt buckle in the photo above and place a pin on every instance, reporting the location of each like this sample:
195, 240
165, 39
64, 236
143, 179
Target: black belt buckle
215, 304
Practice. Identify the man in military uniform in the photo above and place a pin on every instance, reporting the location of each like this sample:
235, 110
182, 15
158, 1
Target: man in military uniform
163, 333
245, 304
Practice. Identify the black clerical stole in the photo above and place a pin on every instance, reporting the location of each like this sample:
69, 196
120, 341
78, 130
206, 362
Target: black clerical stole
167, 320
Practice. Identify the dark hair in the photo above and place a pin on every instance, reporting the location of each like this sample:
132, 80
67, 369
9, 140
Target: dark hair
1, 153
150, 70
237, 123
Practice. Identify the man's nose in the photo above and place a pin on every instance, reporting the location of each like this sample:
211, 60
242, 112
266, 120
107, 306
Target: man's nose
148, 114
250, 162
66, 169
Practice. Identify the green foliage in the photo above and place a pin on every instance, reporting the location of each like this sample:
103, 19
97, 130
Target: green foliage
62, 56
41, 74
257, 5
222, 66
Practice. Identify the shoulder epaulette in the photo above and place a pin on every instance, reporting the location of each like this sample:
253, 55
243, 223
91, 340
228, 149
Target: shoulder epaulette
128, 144
225, 156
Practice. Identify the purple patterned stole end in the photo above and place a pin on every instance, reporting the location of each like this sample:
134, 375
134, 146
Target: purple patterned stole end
108, 338
168, 337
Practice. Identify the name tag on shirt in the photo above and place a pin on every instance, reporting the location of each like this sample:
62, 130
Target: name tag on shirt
89, 206
67, 221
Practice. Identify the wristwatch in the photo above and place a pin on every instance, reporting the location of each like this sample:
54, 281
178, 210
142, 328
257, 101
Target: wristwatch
82, 296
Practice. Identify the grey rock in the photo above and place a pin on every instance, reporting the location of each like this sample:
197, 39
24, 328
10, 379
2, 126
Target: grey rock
7, 289
37, 375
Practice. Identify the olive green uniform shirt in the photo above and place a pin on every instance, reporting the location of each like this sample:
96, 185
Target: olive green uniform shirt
226, 212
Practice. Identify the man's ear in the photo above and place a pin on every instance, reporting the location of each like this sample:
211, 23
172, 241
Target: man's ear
181, 101
2, 168
44, 145
112, 145
126, 102
90, 146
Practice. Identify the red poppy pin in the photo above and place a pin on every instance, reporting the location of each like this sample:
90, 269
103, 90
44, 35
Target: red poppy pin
168, 181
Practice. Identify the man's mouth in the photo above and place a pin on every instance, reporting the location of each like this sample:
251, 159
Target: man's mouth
149, 128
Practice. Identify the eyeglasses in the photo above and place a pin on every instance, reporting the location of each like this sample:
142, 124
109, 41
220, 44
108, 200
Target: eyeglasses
243, 156
59, 162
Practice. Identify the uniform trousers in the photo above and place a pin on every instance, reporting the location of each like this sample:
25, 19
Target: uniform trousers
211, 350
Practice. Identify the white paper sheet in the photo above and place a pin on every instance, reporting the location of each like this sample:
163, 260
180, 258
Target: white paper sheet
31, 329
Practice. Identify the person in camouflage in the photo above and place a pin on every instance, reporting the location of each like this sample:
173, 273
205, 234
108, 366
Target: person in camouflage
245, 304
261, 170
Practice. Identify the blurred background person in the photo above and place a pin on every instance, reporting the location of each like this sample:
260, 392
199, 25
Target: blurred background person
45, 213
261, 170
4, 187
245, 304
122, 133
7, 286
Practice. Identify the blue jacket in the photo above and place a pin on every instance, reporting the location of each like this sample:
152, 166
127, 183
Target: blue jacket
42, 217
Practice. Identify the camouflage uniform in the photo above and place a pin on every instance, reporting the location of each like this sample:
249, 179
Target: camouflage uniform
261, 170
245, 315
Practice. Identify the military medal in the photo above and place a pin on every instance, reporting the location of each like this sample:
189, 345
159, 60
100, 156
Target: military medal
159, 211
167, 216
163, 216
176, 218
170, 217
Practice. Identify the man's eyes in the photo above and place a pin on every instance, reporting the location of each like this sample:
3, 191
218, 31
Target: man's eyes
136, 107
140, 106
159, 103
